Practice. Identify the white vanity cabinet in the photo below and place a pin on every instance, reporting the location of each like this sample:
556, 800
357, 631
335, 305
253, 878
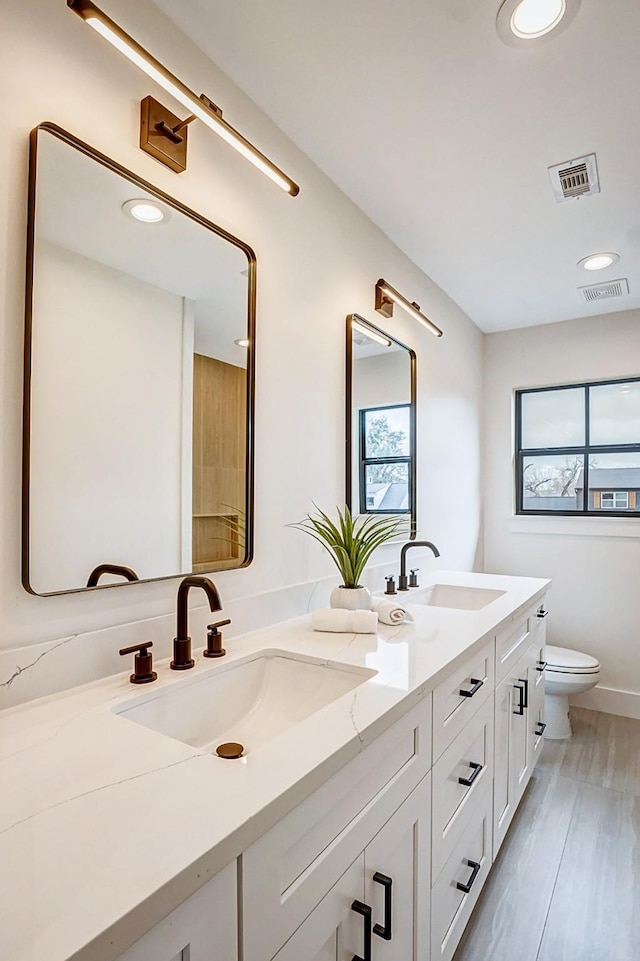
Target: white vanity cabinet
202, 928
379, 908
293, 867
462, 780
519, 718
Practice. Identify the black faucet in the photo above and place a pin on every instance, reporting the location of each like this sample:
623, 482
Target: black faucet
101, 569
182, 659
402, 580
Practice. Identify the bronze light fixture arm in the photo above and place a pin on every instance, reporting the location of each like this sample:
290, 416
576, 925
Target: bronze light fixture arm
386, 296
199, 106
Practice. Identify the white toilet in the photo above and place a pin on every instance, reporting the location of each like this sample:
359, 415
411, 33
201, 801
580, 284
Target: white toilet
568, 672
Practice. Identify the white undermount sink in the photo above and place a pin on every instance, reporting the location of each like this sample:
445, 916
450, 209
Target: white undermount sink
457, 597
249, 701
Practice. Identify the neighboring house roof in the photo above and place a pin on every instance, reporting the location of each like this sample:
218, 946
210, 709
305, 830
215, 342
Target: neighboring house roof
389, 497
611, 478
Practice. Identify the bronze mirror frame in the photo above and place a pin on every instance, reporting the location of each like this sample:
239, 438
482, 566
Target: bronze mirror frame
98, 157
412, 514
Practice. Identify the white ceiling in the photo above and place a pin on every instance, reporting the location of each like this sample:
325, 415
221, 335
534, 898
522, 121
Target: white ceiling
442, 134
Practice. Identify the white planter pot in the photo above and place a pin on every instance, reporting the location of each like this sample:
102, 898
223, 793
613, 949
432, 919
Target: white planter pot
351, 598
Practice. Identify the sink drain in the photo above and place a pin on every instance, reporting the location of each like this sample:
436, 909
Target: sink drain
230, 749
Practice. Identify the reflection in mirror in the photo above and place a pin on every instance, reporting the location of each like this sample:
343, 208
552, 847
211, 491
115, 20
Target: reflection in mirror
380, 423
138, 378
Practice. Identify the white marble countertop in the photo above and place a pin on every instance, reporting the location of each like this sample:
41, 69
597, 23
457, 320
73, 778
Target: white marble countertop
106, 826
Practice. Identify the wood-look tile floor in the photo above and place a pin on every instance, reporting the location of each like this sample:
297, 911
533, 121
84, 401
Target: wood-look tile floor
566, 884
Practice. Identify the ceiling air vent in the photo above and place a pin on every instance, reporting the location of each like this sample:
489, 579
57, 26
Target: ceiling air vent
575, 178
614, 288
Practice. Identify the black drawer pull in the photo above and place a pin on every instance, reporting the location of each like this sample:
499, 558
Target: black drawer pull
474, 874
542, 613
468, 781
474, 690
520, 706
541, 727
542, 666
384, 930
360, 908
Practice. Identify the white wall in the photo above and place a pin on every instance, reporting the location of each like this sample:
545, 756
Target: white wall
595, 601
106, 365
318, 259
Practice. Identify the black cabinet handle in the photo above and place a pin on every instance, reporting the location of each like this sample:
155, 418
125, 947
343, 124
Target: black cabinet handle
475, 865
542, 666
540, 728
542, 614
520, 706
364, 909
476, 687
384, 930
468, 781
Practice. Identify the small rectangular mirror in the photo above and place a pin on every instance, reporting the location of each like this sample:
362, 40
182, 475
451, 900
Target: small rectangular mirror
139, 378
380, 422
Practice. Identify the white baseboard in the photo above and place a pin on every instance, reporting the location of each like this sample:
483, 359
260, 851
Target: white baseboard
609, 701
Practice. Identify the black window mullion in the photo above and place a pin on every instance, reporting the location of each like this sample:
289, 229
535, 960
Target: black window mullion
587, 439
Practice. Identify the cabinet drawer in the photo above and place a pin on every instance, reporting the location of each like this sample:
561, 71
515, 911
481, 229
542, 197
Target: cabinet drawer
513, 640
536, 703
332, 930
470, 861
289, 869
451, 708
469, 758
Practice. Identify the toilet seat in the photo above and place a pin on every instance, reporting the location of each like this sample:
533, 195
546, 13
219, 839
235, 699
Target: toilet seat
562, 660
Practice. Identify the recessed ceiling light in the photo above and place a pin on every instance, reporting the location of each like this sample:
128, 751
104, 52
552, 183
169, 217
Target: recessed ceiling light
146, 211
522, 21
242, 342
534, 18
599, 261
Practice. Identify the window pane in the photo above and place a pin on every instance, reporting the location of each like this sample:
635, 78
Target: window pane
553, 418
387, 487
614, 482
614, 413
552, 483
387, 432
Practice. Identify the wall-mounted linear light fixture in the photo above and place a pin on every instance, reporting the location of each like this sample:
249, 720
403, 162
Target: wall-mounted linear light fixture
387, 296
159, 121
371, 334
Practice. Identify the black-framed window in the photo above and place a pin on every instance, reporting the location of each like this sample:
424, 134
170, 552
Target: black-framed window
386, 475
578, 449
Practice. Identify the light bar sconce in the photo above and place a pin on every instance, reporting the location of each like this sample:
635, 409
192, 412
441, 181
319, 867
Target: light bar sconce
387, 296
371, 334
163, 133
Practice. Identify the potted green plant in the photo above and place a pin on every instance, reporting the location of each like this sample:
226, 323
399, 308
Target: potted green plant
351, 542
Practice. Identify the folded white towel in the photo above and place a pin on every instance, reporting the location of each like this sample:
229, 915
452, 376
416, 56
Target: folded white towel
390, 612
344, 622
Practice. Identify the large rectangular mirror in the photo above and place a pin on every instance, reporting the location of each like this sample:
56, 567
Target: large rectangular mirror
380, 422
139, 379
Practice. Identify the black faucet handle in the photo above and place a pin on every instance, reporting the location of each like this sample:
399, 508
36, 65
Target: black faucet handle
413, 579
391, 584
142, 648
143, 672
214, 639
